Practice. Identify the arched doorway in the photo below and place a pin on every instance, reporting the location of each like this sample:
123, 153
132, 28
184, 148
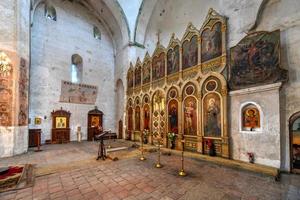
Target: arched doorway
120, 129
294, 129
119, 113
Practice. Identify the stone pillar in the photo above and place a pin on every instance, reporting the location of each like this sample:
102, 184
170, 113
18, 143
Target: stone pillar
14, 76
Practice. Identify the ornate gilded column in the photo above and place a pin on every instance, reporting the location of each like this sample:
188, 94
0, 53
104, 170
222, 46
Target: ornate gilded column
225, 138
180, 123
200, 132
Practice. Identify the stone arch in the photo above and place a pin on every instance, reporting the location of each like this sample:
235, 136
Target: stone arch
142, 20
292, 120
120, 93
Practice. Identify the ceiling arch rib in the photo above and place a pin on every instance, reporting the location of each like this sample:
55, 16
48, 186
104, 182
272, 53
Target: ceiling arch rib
142, 20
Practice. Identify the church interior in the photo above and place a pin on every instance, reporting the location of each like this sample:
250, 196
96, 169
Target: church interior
149, 99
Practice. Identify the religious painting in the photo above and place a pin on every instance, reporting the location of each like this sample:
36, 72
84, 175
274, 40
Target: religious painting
60, 122
173, 93
173, 60
78, 93
23, 94
255, 60
211, 85
190, 90
130, 119
95, 121
190, 53
190, 116
137, 118
251, 118
173, 116
147, 117
211, 42
138, 76
146, 72
158, 66
212, 115
130, 79
37, 121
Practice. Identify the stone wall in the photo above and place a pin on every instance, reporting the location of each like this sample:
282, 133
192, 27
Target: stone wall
53, 43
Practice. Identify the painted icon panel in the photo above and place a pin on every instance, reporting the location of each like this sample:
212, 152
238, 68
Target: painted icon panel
251, 118
212, 115
147, 117
211, 43
138, 76
190, 53
158, 66
146, 73
190, 116
173, 116
173, 60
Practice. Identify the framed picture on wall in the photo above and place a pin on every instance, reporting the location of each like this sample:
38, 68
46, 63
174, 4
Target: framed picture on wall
37, 121
61, 122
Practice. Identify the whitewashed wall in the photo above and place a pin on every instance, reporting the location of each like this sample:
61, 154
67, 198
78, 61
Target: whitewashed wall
53, 43
264, 143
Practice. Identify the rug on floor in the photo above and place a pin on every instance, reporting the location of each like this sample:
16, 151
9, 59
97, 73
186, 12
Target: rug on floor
17, 177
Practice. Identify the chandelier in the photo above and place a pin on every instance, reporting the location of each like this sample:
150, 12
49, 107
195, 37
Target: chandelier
5, 65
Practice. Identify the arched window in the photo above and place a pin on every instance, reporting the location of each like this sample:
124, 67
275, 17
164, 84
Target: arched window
50, 12
97, 33
251, 117
76, 68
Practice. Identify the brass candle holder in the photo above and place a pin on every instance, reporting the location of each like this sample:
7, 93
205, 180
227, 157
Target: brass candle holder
182, 172
142, 158
158, 164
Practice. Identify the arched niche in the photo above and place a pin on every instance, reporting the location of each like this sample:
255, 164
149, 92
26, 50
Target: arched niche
129, 118
76, 68
251, 117
146, 112
214, 119
294, 133
173, 111
190, 116
50, 12
137, 118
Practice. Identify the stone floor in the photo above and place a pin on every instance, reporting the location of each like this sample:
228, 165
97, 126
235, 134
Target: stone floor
131, 179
